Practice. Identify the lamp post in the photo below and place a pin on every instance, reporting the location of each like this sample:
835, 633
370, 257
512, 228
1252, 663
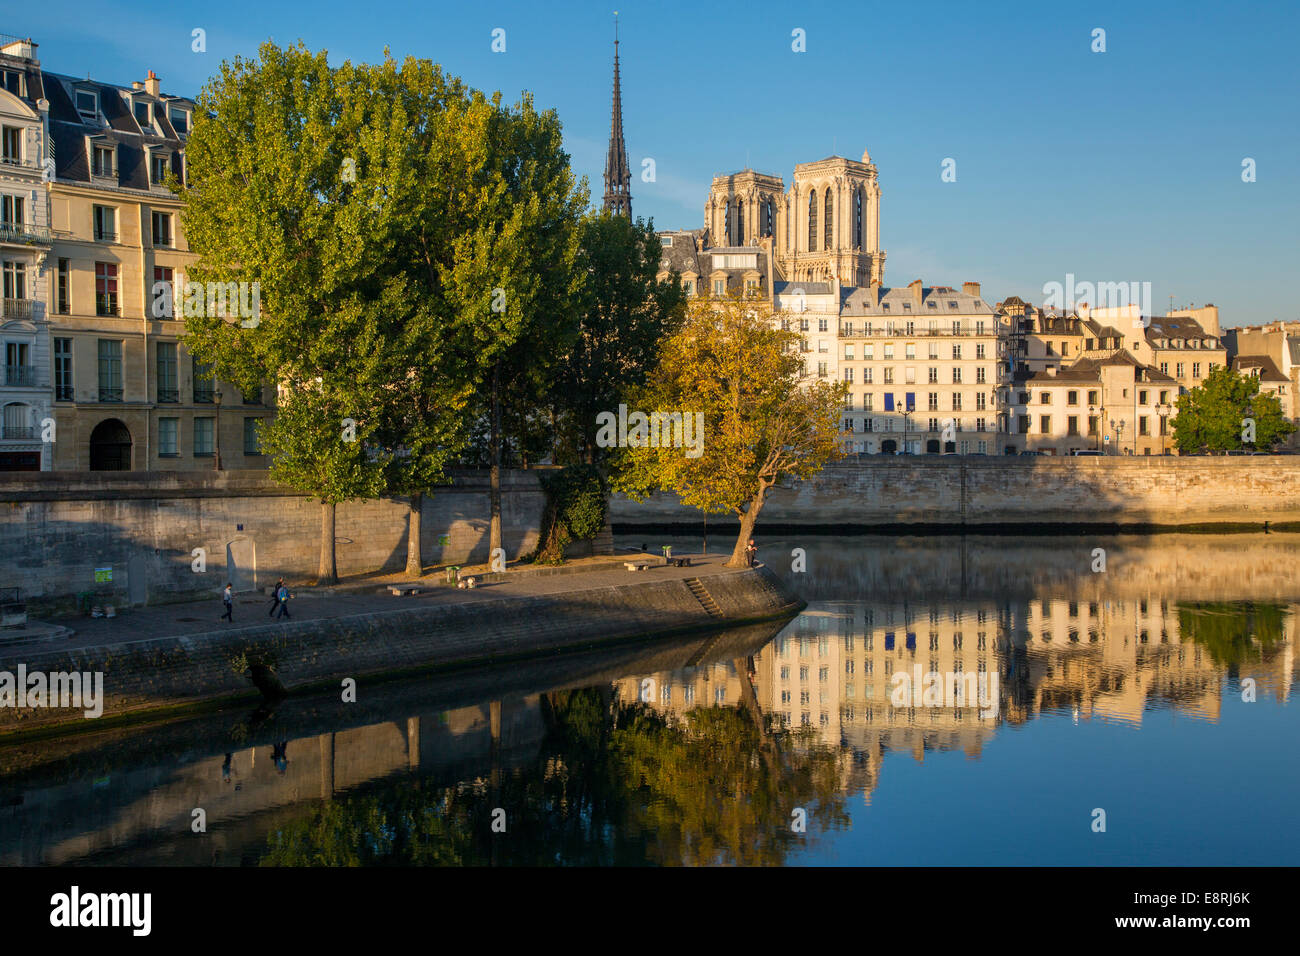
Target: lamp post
1163, 409
1094, 423
216, 429
1118, 427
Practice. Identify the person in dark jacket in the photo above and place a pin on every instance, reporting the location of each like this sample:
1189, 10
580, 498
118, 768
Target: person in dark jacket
275, 596
228, 599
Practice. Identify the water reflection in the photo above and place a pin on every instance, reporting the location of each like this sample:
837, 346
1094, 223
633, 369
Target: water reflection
704, 750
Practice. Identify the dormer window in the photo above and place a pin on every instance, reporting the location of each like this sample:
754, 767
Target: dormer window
101, 160
666, 241
12, 80
157, 169
142, 115
87, 104
180, 120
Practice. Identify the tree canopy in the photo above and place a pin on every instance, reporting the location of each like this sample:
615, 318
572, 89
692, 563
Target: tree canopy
1223, 412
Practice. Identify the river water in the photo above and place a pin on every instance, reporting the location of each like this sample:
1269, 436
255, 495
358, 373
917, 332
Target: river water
968, 701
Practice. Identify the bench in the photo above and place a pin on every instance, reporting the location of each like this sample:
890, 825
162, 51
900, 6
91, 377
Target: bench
401, 590
639, 565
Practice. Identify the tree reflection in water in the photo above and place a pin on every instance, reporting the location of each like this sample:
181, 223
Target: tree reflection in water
617, 783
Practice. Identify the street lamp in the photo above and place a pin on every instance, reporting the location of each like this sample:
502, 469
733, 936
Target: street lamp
216, 429
1118, 427
1095, 425
1163, 409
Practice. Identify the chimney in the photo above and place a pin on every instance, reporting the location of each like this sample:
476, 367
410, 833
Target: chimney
1051, 371
916, 291
137, 85
151, 83
971, 288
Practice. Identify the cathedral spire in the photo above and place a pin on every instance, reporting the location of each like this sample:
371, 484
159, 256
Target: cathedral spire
618, 177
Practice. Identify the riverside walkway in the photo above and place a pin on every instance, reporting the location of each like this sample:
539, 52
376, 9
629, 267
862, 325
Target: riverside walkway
362, 595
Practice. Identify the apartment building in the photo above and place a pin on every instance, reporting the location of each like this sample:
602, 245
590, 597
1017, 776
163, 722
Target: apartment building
1274, 351
126, 395
26, 396
1180, 345
1112, 404
924, 367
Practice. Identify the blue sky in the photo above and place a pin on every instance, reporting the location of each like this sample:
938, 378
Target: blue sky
1117, 166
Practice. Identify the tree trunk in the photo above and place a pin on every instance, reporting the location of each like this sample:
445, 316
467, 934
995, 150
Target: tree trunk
747, 520
328, 572
414, 553
494, 471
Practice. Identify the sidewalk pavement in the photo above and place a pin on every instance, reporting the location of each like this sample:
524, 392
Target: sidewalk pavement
355, 596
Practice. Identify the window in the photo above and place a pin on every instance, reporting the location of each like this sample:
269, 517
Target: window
141, 110
889, 375
169, 437
162, 229
251, 445
1044, 397
821, 369
1164, 368
909, 350
1143, 427
12, 80
812, 221
889, 350
1142, 397
11, 145
956, 401
979, 375
719, 286
203, 382
933, 425
1092, 398
933, 376
180, 120
1045, 424
1092, 426
857, 218
866, 376
106, 288
1179, 372
87, 104
1024, 424
934, 351
11, 211
980, 350
1072, 398
101, 160
956, 352
110, 370
829, 238
203, 437
158, 170
1196, 370
956, 326
688, 287
15, 280
848, 375
168, 384
1072, 425
889, 402
868, 402
848, 351
909, 374
981, 401
162, 305
956, 375
61, 300
823, 325
63, 370
105, 222
979, 425
17, 418
848, 425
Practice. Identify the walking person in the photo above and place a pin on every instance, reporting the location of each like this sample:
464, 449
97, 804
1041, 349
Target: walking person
228, 599
282, 593
275, 596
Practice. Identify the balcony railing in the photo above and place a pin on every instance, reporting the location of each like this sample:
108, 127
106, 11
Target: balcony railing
105, 304
18, 433
20, 375
29, 309
18, 232
168, 395
111, 394
203, 396
105, 235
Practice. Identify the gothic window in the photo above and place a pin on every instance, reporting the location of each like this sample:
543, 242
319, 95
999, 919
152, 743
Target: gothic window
739, 238
812, 221
726, 222
829, 242
857, 218
765, 220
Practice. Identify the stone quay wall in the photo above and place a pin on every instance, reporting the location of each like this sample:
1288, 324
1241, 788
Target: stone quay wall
57, 528
952, 492
162, 674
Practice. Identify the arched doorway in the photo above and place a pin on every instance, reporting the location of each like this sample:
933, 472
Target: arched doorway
888, 446
110, 446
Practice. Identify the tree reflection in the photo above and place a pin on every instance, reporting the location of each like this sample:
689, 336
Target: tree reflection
616, 783
1233, 633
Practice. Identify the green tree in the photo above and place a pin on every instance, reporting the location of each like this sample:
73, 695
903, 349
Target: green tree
627, 315
1219, 414
764, 419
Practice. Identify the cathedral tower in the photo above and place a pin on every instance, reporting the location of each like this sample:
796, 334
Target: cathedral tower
832, 223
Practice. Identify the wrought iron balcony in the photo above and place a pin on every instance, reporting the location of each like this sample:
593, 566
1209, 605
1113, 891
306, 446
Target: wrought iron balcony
29, 309
168, 396
18, 232
110, 394
20, 375
18, 433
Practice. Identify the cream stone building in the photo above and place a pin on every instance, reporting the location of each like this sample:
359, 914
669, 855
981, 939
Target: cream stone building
26, 396
1278, 344
126, 393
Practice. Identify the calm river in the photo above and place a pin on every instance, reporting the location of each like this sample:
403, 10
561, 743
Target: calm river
968, 701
